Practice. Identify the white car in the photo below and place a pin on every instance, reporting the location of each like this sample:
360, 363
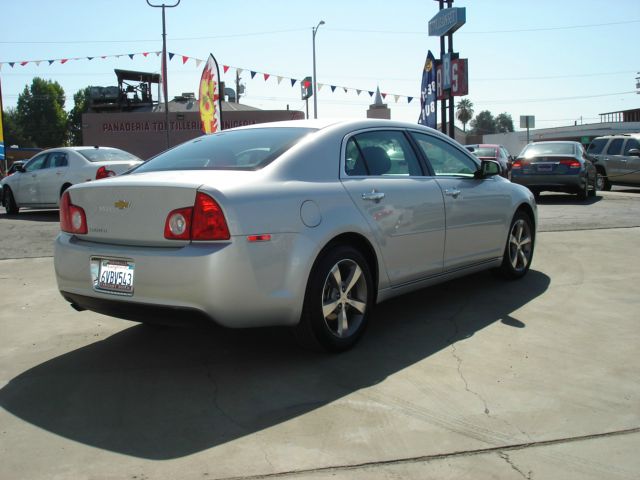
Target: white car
42, 180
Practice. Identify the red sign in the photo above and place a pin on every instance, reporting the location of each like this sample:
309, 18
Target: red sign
459, 79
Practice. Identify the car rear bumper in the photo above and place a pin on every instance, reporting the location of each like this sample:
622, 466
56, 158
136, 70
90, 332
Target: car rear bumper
572, 183
235, 284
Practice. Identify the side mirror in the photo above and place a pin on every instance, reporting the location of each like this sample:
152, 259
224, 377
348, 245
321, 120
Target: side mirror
488, 168
20, 168
634, 152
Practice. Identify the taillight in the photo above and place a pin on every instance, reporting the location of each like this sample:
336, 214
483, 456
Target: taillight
208, 220
571, 163
203, 221
103, 172
72, 217
516, 165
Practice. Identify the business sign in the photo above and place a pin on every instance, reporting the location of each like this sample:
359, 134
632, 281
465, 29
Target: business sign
447, 21
446, 71
459, 79
1, 129
527, 121
210, 102
428, 93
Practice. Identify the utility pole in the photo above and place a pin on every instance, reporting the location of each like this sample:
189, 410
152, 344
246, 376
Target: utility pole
165, 89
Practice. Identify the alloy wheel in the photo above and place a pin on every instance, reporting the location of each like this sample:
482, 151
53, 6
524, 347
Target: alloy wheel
344, 298
520, 245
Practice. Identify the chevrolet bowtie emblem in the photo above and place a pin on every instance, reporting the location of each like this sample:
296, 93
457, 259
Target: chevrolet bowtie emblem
121, 204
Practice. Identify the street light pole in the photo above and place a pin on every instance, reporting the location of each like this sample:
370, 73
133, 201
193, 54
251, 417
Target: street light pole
315, 83
165, 89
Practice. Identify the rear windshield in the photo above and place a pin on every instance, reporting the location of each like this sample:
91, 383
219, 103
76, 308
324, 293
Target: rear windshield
484, 152
537, 149
249, 149
106, 155
597, 145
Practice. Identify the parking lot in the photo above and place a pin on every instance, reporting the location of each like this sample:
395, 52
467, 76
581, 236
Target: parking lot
476, 378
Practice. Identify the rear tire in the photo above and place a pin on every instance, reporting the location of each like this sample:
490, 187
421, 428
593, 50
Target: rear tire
584, 193
10, 202
593, 191
603, 181
338, 301
518, 252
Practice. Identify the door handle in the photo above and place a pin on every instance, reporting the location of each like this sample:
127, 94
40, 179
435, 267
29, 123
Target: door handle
623, 160
59, 173
454, 192
373, 195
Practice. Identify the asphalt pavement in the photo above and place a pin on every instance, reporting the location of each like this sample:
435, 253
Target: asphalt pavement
477, 378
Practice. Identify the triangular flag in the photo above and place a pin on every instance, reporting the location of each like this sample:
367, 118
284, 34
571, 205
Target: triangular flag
293, 81
225, 68
279, 78
50, 62
384, 95
358, 92
171, 56
24, 63
266, 76
145, 53
345, 89
370, 93
253, 74
131, 55
13, 63
198, 62
396, 97
89, 58
38, 63
184, 59
158, 54
409, 99
64, 60
239, 71
333, 88
104, 57
320, 85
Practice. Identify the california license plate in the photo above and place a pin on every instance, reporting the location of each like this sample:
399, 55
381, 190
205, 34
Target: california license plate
113, 275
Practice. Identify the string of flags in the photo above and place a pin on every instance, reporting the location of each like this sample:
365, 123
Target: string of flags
198, 61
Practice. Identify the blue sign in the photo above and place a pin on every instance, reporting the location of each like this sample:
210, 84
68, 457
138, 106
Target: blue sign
447, 21
428, 93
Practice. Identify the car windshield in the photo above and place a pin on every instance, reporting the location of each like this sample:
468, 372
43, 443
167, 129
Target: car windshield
106, 155
537, 149
249, 149
484, 152
597, 145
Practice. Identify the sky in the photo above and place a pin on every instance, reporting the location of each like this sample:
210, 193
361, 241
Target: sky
561, 61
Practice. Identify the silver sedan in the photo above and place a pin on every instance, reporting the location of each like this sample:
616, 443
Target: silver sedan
307, 224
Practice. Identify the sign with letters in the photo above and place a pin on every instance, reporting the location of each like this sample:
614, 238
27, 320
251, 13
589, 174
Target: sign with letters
459, 79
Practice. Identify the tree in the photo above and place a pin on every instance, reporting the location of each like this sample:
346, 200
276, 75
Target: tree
464, 112
504, 123
13, 132
483, 124
41, 115
80, 106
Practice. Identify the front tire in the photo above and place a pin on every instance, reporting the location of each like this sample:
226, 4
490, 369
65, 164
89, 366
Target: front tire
10, 202
518, 252
338, 301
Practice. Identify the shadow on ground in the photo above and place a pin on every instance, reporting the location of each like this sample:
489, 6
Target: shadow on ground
167, 393
35, 215
566, 199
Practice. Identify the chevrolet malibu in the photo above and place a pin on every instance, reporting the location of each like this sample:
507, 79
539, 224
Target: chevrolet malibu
307, 224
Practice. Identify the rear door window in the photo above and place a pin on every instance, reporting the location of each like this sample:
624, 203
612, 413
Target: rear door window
381, 152
597, 145
615, 147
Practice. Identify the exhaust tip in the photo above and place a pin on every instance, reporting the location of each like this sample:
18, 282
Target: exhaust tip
77, 307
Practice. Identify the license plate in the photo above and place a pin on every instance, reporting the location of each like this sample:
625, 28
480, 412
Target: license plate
113, 275
545, 167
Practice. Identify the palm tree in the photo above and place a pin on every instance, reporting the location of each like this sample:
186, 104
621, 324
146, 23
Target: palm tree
464, 112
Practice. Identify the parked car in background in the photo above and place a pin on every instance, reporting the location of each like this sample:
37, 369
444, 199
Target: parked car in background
41, 181
555, 166
617, 159
306, 223
487, 151
12, 169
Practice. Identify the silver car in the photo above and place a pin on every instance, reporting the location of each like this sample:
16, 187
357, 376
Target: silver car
306, 223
